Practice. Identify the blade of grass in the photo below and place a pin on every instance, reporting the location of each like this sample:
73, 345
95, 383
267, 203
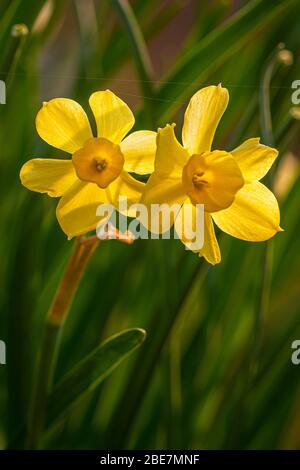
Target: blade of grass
90, 372
271, 65
140, 54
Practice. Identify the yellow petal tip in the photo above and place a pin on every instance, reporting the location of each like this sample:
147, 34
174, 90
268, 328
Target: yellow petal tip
280, 229
167, 126
212, 262
222, 90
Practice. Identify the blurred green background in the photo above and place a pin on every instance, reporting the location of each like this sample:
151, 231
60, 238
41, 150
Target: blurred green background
215, 371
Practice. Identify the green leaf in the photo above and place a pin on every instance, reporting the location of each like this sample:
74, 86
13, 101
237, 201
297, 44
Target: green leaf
91, 371
214, 50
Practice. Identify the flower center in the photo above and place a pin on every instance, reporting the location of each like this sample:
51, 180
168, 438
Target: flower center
198, 180
101, 164
98, 161
212, 179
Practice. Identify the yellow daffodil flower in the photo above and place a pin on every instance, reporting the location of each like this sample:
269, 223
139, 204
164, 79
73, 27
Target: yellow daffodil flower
226, 183
97, 173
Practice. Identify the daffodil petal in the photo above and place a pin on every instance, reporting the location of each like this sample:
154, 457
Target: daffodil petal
202, 117
187, 219
125, 186
188, 228
254, 159
139, 152
164, 195
160, 190
76, 210
164, 187
113, 117
63, 124
210, 250
47, 175
253, 216
170, 155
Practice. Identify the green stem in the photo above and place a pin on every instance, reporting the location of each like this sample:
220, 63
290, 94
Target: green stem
175, 437
279, 56
84, 248
44, 379
140, 53
7, 18
272, 65
289, 126
265, 102
11, 59
266, 277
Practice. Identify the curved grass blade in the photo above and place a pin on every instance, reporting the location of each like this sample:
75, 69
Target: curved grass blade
91, 371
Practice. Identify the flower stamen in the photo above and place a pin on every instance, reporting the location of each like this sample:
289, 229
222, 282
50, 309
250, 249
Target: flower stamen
198, 181
100, 164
